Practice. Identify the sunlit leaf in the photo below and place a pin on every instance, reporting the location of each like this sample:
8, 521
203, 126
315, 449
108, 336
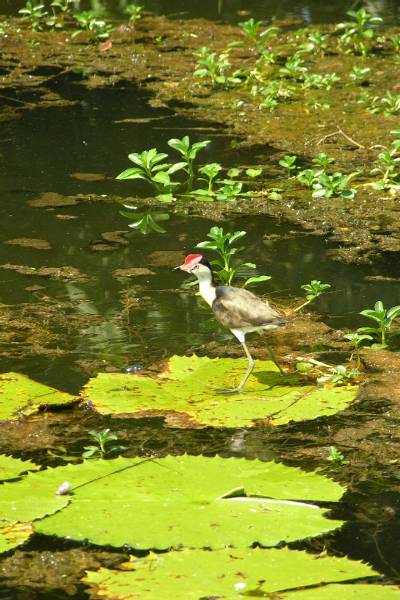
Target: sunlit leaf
186, 393
181, 500
12, 535
11, 467
20, 395
229, 573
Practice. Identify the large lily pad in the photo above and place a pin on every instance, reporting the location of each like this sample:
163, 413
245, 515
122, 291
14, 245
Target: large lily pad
227, 573
187, 500
13, 535
11, 467
186, 394
20, 395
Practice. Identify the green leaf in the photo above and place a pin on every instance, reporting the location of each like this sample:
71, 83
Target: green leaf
132, 173
231, 573
253, 172
20, 396
11, 467
256, 279
185, 393
356, 591
181, 500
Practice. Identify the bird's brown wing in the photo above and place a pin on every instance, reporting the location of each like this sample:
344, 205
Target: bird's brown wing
236, 307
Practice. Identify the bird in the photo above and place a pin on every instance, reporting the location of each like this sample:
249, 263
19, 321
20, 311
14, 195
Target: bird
236, 308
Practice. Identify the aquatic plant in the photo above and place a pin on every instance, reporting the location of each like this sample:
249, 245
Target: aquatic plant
294, 67
216, 68
355, 340
35, 13
358, 74
151, 167
288, 162
358, 34
335, 456
315, 289
342, 375
224, 245
144, 221
389, 104
134, 11
87, 21
387, 165
323, 160
103, 439
384, 319
257, 38
326, 186
318, 81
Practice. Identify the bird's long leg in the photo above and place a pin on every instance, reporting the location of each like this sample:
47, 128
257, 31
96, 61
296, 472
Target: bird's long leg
272, 355
246, 376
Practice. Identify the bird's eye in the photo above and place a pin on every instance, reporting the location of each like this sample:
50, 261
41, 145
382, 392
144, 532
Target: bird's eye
195, 267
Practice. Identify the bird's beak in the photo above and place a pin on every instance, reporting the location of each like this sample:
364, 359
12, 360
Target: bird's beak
180, 268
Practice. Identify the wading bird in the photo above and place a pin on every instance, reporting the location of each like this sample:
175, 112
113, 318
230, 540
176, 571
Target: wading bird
235, 308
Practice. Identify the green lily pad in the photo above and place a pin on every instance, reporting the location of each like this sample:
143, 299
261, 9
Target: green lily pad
185, 500
357, 591
185, 393
20, 396
227, 573
11, 467
32, 497
13, 535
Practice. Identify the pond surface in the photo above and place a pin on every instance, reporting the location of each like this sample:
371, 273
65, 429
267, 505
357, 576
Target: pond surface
233, 11
42, 152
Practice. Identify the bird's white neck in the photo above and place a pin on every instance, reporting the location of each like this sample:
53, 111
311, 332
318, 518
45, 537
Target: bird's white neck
206, 286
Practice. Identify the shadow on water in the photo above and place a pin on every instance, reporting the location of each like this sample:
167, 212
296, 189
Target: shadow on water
38, 154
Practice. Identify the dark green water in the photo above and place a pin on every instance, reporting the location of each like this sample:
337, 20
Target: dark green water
308, 11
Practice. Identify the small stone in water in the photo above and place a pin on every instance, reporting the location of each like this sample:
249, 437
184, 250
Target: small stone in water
133, 368
64, 489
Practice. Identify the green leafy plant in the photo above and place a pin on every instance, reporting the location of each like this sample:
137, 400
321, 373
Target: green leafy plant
34, 12
318, 81
359, 73
387, 165
314, 289
307, 177
294, 68
288, 162
323, 160
326, 186
342, 375
216, 68
358, 34
189, 152
151, 167
103, 440
257, 38
355, 340
88, 21
335, 456
224, 245
384, 319
317, 42
134, 11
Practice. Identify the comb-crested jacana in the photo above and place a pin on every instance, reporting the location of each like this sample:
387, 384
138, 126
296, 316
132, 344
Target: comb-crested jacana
236, 308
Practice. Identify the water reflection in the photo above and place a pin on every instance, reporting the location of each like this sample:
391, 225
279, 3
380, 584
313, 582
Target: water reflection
308, 11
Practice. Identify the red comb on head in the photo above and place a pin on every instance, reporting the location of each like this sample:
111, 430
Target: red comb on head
193, 258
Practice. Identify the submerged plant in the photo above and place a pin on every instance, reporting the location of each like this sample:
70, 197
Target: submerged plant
323, 160
342, 375
146, 221
326, 186
294, 67
384, 319
103, 439
314, 289
288, 162
359, 73
224, 245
